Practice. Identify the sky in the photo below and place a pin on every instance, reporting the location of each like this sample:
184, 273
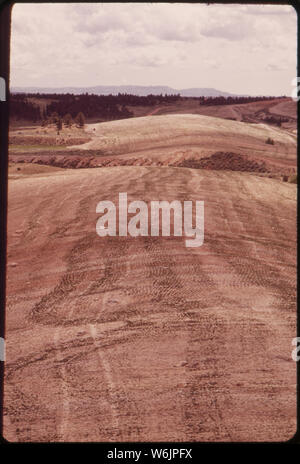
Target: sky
243, 49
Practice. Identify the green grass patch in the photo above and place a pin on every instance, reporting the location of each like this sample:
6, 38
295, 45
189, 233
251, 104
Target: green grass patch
39, 147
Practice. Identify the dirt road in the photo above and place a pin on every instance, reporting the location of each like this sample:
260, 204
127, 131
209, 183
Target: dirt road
143, 339
254, 112
154, 111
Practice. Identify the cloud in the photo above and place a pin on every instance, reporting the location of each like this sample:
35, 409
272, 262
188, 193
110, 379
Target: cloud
270, 10
183, 34
148, 61
276, 67
236, 31
171, 24
231, 47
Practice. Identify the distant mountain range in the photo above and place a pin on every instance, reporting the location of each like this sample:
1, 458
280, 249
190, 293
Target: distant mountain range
130, 89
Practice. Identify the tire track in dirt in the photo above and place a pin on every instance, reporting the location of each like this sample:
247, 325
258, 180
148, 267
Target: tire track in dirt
173, 327
270, 259
236, 277
105, 367
112, 272
74, 273
63, 410
169, 291
33, 222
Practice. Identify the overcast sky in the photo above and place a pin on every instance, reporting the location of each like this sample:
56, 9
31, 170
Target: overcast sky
236, 48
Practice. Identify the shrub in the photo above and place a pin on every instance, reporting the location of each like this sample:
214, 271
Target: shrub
293, 179
68, 121
80, 119
270, 141
59, 124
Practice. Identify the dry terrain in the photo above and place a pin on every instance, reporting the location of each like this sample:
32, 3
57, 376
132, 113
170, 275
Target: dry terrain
143, 339
166, 141
254, 112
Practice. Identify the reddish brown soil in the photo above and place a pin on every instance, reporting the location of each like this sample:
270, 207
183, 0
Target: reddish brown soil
225, 161
255, 112
174, 140
170, 141
235, 162
143, 339
217, 161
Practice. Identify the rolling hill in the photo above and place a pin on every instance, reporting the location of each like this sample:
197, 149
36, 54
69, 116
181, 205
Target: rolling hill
140, 339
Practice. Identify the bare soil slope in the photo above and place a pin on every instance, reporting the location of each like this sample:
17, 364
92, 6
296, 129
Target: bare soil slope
255, 112
169, 141
138, 134
143, 339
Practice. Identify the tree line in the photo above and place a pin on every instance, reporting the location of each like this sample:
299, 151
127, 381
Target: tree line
19, 108
105, 107
232, 100
41, 107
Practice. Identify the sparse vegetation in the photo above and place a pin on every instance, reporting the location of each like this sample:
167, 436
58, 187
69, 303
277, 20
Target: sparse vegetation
68, 120
270, 141
38, 148
59, 124
232, 100
276, 119
293, 179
